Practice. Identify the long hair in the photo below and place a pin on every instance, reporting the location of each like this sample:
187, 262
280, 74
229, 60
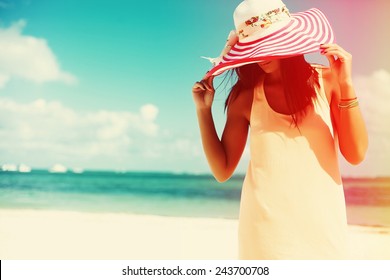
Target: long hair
299, 80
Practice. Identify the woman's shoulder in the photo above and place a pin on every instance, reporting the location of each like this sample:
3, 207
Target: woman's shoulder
241, 103
327, 79
324, 72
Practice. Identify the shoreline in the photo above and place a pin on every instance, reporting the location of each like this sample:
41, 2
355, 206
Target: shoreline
67, 235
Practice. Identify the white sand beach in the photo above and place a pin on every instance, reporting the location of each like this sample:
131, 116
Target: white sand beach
64, 235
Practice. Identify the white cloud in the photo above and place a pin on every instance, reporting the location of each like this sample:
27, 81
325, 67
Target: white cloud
149, 112
374, 99
43, 127
42, 133
28, 57
3, 80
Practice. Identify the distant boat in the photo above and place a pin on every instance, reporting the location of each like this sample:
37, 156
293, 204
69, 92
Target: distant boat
78, 170
58, 168
23, 168
9, 167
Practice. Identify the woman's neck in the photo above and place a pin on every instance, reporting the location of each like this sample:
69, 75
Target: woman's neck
273, 77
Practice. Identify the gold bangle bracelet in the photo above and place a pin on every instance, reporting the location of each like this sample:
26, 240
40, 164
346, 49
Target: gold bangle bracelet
348, 105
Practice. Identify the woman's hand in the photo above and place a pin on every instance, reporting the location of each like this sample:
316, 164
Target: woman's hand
203, 93
340, 62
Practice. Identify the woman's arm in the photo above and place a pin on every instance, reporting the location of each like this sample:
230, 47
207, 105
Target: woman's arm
349, 122
222, 155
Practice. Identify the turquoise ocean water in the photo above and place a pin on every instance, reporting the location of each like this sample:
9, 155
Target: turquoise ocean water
166, 194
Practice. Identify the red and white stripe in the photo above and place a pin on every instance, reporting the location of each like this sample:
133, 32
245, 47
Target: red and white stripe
304, 34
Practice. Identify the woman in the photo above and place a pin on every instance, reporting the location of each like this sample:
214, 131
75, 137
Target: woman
292, 202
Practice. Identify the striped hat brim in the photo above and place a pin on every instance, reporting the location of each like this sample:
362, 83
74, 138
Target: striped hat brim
305, 33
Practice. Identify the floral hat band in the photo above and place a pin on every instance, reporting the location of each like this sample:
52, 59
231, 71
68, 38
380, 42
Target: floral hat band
264, 21
266, 30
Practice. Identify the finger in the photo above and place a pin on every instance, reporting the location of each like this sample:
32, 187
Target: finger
199, 85
208, 77
342, 56
208, 83
196, 85
327, 46
334, 48
210, 80
330, 58
329, 54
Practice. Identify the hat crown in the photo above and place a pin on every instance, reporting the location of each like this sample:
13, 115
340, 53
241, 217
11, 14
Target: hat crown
248, 8
259, 16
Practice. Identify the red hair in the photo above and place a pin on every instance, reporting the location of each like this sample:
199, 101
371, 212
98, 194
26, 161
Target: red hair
299, 80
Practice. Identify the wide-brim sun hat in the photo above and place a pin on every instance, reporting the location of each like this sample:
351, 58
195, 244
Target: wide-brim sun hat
266, 30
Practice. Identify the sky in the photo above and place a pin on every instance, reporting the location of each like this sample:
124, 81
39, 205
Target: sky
106, 85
